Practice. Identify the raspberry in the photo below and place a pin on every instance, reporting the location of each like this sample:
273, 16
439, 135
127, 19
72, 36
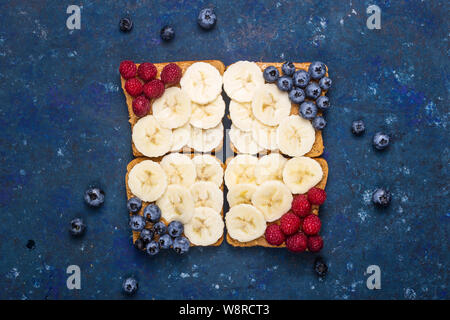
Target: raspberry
141, 106
273, 235
289, 223
301, 205
133, 87
147, 71
171, 74
127, 69
311, 225
297, 242
315, 243
317, 196
154, 89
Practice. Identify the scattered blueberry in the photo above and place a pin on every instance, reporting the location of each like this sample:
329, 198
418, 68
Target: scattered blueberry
134, 205
288, 68
77, 227
284, 83
325, 83
319, 123
317, 70
167, 33
175, 229
139, 244
313, 91
271, 74
358, 127
320, 267
125, 24
380, 140
30, 244
146, 235
297, 95
308, 110
130, 286
207, 18
152, 247
301, 78
323, 103
137, 222
160, 228
165, 241
381, 197
94, 197
152, 213
181, 245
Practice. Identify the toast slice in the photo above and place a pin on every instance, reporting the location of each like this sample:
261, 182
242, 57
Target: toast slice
159, 66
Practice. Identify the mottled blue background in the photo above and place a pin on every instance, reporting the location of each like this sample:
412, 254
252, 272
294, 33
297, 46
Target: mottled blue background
64, 126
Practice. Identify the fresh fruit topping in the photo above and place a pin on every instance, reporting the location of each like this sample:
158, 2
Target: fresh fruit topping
181, 245
165, 241
152, 247
301, 205
317, 196
320, 267
289, 223
154, 89
77, 227
146, 235
380, 140
147, 71
308, 110
325, 83
288, 68
317, 70
175, 229
137, 222
297, 95
134, 204
167, 33
297, 242
139, 244
133, 87
381, 197
125, 24
323, 103
271, 74
274, 235
319, 123
94, 197
130, 286
141, 106
301, 78
207, 18
312, 91
315, 243
127, 69
160, 228
152, 213
171, 74
311, 225
284, 83
358, 127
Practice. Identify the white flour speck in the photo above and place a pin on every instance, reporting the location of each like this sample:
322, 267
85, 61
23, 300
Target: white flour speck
184, 275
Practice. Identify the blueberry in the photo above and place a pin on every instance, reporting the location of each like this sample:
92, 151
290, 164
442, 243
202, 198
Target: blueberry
175, 228
167, 33
308, 110
146, 235
125, 24
317, 70
325, 83
288, 68
94, 197
207, 18
381, 197
319, 123
152, 213
139, 244
134, 205
323, 103
137, 222
165, 241
358, 127
284, 83
301, 78
130, 286
320, 267
297, 95
313, 91
380, 140
160, 228
152, 247
271, 74
181, 245
77, 227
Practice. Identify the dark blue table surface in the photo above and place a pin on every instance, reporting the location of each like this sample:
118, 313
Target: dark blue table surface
64, 126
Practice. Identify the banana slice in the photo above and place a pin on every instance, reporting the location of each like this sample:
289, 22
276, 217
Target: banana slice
147, 180
205, 116
241, 169
202, 82
150, 138
295, 136
301, 174
241, 79
172, 109
270, 105
180, 137
206, 140
207, 194
243, 141
208, 169
205, 227
241, 115
270, 167
265, 136
245, 223
176, 204
179, 169
240, 194
273, 199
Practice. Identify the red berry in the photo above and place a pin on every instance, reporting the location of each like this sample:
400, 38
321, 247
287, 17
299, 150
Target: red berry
133, 87
273, 235
317, 196
301, 205
311, 225
141, 106
127, 69
315, 243
297, 242
154, 89
171, 74
147, 71
289, 223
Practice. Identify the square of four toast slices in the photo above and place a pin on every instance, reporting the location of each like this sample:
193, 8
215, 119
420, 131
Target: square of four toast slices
275, 153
